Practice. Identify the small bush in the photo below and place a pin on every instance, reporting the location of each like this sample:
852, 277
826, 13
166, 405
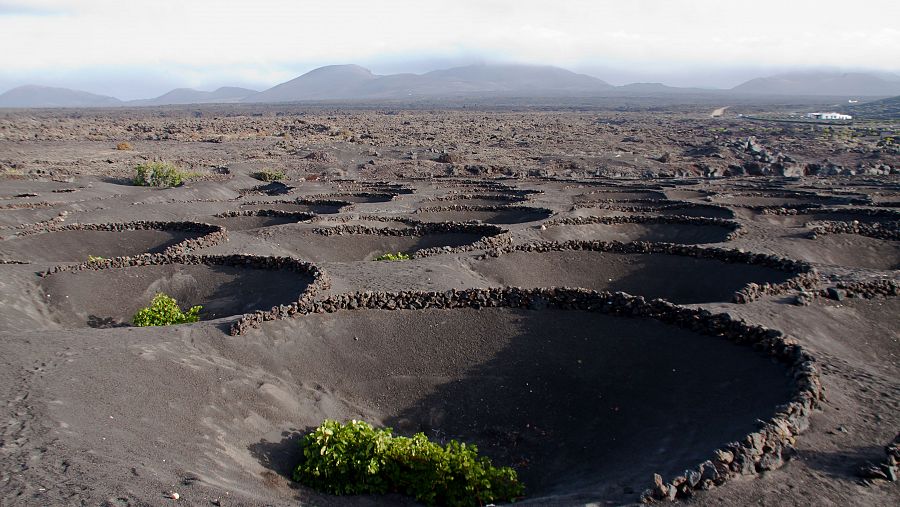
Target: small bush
164, 311
158, 174
123, 146
268, 175
354, 458
399, 256
94, 259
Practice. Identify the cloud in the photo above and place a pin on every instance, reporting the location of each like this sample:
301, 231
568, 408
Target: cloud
31, 9
265, 41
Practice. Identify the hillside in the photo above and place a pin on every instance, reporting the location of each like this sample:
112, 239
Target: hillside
352, 82
224, 94
819, 83
46, 96
884, 109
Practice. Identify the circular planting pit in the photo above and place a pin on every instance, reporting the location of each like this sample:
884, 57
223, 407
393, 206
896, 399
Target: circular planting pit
100, 295
585, 405
799, 218
678, 194
474, 200
653, 229
687, 209
368, 221
762, 200
683, 279
349, 243
356, 197
851, 250
499, 215
318, 207
256, 219
691, 210
471, 202
76, 243
618, 195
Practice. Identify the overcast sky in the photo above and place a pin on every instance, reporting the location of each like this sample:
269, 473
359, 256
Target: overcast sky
136, 49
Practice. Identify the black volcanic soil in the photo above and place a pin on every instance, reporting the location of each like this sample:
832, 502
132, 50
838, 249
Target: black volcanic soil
688, 234
497, 217
676, 278
617, 195
124, 416
362, 247
248, 223
701, 212
572, 394
850, 250
76, 246
321, 209
112, 296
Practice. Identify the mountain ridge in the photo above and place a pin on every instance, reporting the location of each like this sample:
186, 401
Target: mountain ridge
822, 83
50, 96
354, 82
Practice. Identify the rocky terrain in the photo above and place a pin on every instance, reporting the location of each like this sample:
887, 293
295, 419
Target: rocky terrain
626, 304
387, 143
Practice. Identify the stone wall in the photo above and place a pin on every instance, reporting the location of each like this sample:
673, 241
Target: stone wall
805, 277
294, 215
732, 225
465, 207
887, 470
884, 230
870, 289
500, 196
319, 282
763, 450
866, 212
643, 206
211, 234
300, 200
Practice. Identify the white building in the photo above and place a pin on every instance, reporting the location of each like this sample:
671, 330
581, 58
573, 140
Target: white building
829, 116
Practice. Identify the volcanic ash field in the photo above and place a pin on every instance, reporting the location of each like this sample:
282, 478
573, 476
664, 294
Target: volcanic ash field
722, 342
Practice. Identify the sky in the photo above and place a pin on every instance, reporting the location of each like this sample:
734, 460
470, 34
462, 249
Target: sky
139, 49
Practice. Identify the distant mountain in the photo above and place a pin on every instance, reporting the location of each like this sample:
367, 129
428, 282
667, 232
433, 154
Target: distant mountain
324, 83
191, 96
46, 96
884, 109
659, 88
822, 83
514, 79
352, 82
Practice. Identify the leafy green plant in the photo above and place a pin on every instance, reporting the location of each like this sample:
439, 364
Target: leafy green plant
399, 256
164, 311
355, 458
93, 259
268, 175
158, 174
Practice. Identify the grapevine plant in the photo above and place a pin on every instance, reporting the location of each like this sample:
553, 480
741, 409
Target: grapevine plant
355, 458
164, 311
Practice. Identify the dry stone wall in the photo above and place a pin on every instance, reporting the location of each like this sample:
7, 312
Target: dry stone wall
764, 449
805, 277
733, 226
211, 234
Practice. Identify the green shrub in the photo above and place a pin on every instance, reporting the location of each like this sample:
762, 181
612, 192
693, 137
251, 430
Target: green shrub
158, 174
354, 458
94, 259
399, 256
268, 175
164, 311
